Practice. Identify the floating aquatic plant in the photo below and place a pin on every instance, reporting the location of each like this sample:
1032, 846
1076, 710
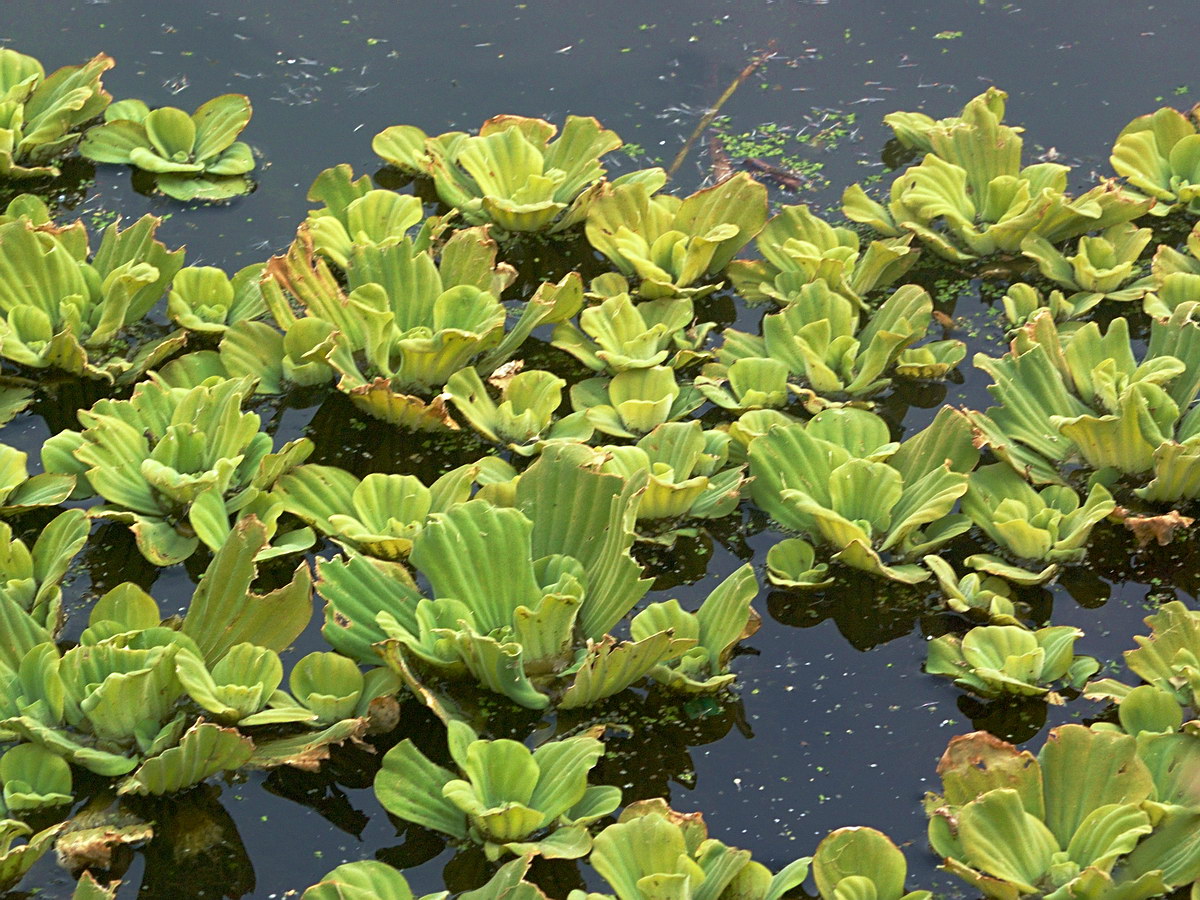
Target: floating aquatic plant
820, 337
861, 862
1013, 825
687, 472
1168, 659
840, 480
1049, 527
205, 299
523, 419
178, 465
970, 197
408, 323
192, 157
618, 335
64, 307
1159, 154
504, 796
42, 116
799, 248
669, 244
993, 660
1086, 396
355, 213
652, 845
513, 174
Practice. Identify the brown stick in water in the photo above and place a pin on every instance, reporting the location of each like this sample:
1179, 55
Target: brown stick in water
707, 119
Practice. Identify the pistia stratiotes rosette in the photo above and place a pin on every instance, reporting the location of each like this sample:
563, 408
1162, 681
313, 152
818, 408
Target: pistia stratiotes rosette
861, 862
513, 174
687, 471
1159, 154
20, 492
17, 859
64, 307
1168, 659
970, 197
1047, 527
839, 479
380, 514
652, 848
669, 244
799, 248
177, 465
1085, 396
636, 401
504, 796
1073, 822
545, 637
31, 577
915, 130
994, 660
618, 335
192, 157
524, 418
111, 703
205, 299
408, 322
1103, 267
42, 116
821, 339
355, 213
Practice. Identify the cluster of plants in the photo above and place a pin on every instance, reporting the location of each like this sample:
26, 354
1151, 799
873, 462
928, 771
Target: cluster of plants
606, 415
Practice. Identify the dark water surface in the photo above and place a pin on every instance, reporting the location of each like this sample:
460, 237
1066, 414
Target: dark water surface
834, 723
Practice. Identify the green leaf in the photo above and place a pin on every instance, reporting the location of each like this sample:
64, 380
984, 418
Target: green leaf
224, 611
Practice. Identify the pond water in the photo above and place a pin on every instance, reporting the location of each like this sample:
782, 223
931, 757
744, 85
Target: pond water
834, 722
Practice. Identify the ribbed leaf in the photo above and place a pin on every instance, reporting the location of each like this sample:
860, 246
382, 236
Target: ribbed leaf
203, 751
224, 611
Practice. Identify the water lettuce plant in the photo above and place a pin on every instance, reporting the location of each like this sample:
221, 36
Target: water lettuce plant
64, 307
523, 419
839, 479
544, 636
192, 157
504, 796
111, 703
861, 862
993, 660
355, 213
799, 248
42, 116
970, 197
687, 472
378, 515
178, 465
821, 338
1048, 527
17, 859
634, 402
1059, 824
1103, 267
31, 577
529, 639
1168, 659
513, 173
652, 848
1159, 154
205, 299
1086, 396
618, 334
670, 244
408, 322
